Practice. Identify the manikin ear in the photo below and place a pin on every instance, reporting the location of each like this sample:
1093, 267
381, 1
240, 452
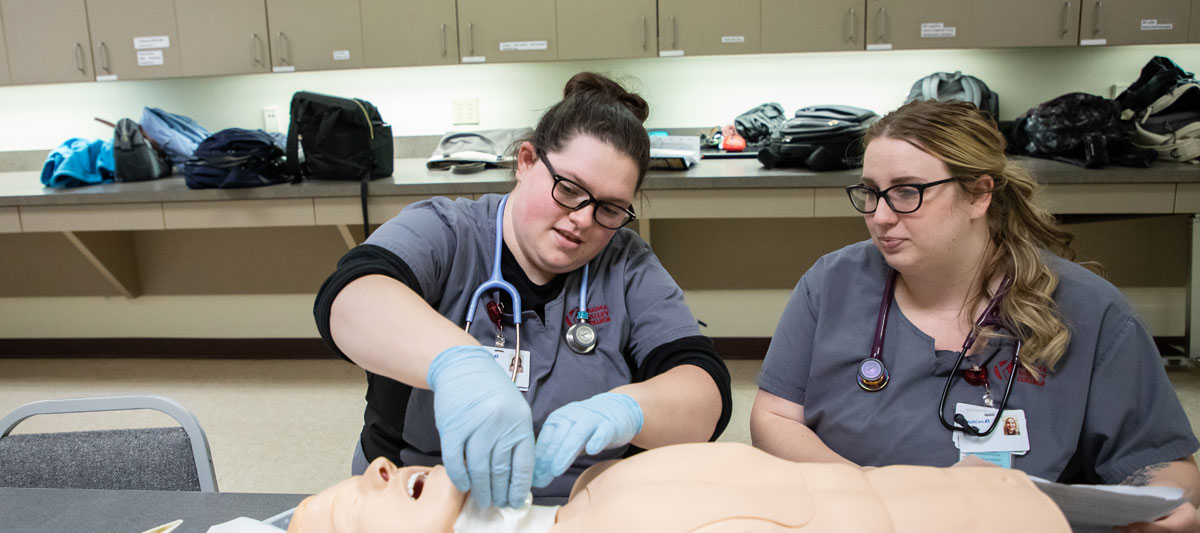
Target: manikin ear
526, 159
981, 197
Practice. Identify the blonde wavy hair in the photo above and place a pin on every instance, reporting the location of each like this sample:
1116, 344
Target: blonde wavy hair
970, 144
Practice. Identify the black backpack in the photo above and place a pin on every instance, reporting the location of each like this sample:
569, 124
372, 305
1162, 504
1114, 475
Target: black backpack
1080, 129
235, 158
826, 137
340, 139
757, 124
943, 86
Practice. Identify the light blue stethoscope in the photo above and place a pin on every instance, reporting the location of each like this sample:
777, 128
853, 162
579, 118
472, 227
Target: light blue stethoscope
581, 337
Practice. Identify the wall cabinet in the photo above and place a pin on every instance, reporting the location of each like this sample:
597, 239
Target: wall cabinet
315, 34
497, 31
134, 39
708, 27
1017, 23
399, 33
1134, 21
812, 25
222, 37
916, 24
588, 29
47, 40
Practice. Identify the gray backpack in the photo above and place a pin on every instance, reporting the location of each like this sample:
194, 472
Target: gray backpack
955, 86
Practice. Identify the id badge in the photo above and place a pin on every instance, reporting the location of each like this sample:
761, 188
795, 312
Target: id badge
504, 358
1011, 434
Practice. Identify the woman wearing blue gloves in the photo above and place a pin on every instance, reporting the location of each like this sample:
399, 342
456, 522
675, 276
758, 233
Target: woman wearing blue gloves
596, 353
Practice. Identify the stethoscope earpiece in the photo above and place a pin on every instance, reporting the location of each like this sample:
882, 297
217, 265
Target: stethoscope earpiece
872, 375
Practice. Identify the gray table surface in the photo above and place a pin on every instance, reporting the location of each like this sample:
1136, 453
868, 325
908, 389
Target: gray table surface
410, 177
130, 511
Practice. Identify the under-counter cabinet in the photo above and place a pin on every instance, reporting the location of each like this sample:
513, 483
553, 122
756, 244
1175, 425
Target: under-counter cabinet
398, 33
1109, 22
47, 40
812, 25
223, 37
495, 31
708, 27
917, 24
315, 34
1017, 23
134, 39
588, 29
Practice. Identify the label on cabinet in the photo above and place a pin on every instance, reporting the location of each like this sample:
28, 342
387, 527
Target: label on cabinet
1153, 25
671, 53
726, 39
1093, 42
937, 30
341, 55
474, 59
107, 77
879, 46
149, 58
285, 68
523, 46
156, 41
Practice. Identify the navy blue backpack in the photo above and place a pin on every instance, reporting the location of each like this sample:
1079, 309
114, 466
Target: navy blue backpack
236, 158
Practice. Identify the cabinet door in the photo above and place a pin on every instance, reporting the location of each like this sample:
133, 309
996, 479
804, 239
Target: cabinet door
506, 30
47, 40
1015, 23
5, 79
222, 37
588, 29
1134, 21
812, 25
708, 27
1194, 24
134, 39
398, 33
915, 24
315, 34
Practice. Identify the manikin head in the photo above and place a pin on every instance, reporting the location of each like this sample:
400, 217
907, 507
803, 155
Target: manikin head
385, 499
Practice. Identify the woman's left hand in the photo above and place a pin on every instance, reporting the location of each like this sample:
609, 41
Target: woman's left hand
1184, 519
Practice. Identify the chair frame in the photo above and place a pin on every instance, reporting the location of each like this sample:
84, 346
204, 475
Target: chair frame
191, 425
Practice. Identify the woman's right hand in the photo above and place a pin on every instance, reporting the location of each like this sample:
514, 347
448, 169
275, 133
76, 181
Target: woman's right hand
485, 425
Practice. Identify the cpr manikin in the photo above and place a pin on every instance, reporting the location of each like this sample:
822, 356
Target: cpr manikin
705, 487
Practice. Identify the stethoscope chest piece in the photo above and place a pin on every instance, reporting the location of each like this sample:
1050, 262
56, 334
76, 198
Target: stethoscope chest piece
872, 375
581, 338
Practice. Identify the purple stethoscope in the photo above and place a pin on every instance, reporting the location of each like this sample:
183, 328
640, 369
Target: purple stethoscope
873, 375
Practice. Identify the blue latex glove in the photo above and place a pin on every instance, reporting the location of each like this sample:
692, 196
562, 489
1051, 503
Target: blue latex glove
604, 421
481, 417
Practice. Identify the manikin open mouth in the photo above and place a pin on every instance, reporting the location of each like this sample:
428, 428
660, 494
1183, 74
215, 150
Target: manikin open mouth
416, 483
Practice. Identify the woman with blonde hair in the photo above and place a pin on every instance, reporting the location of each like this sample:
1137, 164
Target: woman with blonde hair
966, 299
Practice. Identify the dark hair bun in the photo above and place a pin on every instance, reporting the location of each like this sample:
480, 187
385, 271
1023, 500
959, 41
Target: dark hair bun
591, 82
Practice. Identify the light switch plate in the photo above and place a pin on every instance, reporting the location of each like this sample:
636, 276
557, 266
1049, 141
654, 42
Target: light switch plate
465, 111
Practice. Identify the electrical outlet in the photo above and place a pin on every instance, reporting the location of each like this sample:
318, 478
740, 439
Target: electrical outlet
271, 119
1117, 88
465, 111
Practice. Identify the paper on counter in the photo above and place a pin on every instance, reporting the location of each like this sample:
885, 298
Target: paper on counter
1111, 505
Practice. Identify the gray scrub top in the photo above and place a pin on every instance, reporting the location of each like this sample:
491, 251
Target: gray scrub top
633, 304
1106, 411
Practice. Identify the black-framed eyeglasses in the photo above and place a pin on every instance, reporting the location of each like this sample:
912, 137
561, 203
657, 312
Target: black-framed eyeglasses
903, 198
574, 196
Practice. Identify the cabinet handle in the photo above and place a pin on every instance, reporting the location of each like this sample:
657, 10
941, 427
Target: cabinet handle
1066, 15
283, 50
443, 40
674, 32
79, 59
104, 57
256, 48
880, 17
1096, 18
644, 33
850, 24
471, 38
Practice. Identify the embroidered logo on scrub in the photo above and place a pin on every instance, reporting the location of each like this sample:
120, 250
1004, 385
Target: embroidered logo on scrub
597, 314
1003, 369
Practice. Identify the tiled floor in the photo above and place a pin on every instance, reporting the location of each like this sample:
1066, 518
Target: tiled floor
282, 426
